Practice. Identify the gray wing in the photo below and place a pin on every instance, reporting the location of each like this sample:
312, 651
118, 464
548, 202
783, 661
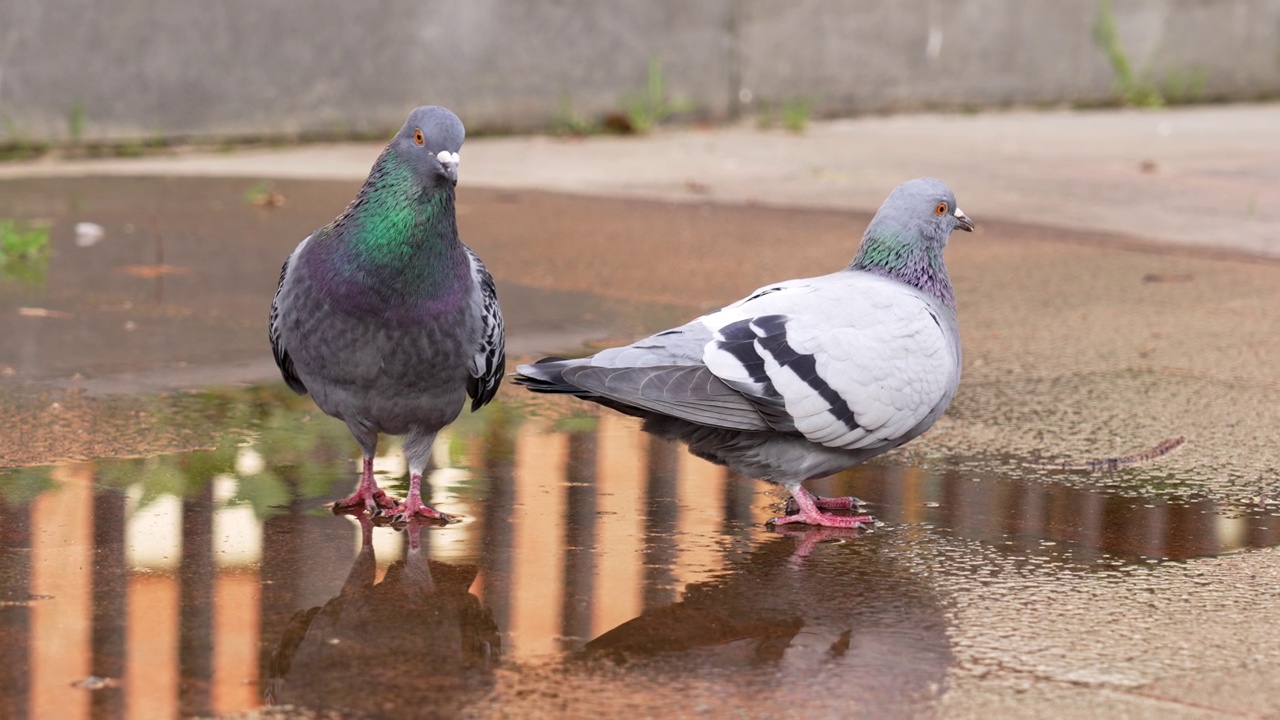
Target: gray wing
661, 374
489, 359
281, 353
852, 362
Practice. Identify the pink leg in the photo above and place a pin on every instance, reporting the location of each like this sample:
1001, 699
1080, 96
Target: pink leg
829, 503
413, 507
367, 498
809, 514
809, 538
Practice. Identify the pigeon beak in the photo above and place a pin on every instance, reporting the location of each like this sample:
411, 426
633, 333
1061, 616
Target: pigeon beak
449, 161
964, 223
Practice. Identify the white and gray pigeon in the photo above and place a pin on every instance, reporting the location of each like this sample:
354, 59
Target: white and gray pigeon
803, 378
386, 317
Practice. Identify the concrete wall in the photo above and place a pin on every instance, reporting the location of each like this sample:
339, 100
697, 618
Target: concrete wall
143, 68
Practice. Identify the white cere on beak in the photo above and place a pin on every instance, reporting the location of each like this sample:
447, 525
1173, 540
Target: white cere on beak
959, 213
448, 158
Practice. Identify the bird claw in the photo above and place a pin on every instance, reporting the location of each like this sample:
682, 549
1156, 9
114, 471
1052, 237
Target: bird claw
406, 512
808, 511
374, 503
825, 503
821, 519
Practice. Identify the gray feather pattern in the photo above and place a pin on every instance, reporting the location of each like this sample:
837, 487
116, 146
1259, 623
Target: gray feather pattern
489, 361
691, 392
283, 361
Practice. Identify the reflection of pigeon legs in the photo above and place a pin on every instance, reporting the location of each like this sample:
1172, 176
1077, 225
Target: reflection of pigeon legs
415, 576
368, 497
808, 512
365, 569
811, 537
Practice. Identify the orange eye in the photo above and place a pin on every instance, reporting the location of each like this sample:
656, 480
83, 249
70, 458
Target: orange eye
941, 209
417, 137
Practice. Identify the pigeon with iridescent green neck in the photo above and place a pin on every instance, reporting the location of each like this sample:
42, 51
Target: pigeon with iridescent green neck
803, 378
386, 317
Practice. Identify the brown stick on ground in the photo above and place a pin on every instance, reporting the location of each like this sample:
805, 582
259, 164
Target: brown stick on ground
1115, 463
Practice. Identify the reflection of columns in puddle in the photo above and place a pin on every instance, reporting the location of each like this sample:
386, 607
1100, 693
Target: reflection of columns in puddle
579, 541
901, 497
236, 641
1193, 530
896, 494
1028, 513
195, 603
1084, 528
661, 514
1263, 529
620, 500
15, 620
737, 524
1130, 528
152, 680
61, 550
110, 600
699, 490
497, 535
282, 556
977, 508
538, 518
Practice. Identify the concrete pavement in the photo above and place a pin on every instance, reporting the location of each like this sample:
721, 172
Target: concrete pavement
1197, 176
1079, 329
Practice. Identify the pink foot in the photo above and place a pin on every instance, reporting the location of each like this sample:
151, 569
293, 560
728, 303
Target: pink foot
807, 512
413, 507
831, 503
368, 498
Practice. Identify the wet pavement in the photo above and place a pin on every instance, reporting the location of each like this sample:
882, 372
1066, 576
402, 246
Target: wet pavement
166, 549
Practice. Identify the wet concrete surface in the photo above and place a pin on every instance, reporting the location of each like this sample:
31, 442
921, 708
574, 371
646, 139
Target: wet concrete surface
167, 549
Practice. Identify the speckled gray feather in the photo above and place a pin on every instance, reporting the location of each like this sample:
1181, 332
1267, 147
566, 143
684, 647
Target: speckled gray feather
384, 315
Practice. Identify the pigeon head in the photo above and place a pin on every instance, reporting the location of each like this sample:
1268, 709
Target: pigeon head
905, 238
429, 143
922, 210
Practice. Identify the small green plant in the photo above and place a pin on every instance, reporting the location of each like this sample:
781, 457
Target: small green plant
1139, 92
647, 109
1185, 87
157, 139
17, 145
134, 147
24, 249
76, 120
263, 194
568, 122
795, 114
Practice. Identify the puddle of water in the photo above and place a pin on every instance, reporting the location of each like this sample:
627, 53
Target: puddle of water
209, 581
596, 569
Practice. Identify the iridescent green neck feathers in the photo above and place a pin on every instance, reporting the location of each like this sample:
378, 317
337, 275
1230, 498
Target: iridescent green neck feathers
915, 261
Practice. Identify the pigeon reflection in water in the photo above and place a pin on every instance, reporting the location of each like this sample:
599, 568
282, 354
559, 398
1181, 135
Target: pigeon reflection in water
418, 641
842, 624
803, 378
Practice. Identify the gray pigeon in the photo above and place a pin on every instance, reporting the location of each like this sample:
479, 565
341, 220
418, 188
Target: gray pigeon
803, 378
386, 317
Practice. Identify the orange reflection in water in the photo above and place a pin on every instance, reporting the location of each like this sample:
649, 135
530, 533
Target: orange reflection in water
574, 530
